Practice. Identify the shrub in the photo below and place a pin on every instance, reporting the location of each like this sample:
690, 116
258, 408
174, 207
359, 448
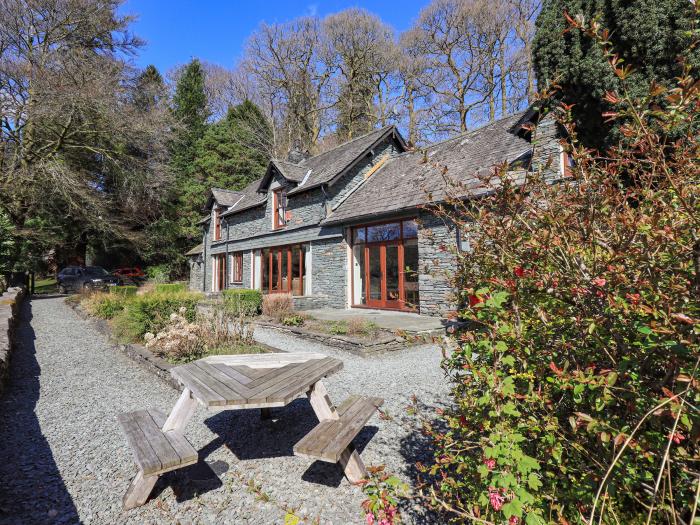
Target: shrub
358, 326
151, 312
278, 305
243, 301
159, 273
170, 287
294, 320
339, 328
123, 290
104, 305
215, 333
575, 400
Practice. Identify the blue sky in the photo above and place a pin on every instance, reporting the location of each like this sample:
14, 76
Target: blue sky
216, 30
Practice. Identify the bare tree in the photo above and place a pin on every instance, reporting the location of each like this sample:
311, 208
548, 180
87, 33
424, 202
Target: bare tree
360, 51
78, 155
284, 60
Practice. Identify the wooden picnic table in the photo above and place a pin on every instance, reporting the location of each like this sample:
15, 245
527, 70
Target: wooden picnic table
230, 382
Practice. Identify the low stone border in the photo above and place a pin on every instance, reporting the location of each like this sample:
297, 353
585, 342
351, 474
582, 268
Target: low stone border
139, 353
388, 343
10, 302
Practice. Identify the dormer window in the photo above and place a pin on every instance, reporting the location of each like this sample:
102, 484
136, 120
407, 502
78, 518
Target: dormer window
217, 224
280, 206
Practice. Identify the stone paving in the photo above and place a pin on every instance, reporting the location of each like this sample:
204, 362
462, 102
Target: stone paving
64, 459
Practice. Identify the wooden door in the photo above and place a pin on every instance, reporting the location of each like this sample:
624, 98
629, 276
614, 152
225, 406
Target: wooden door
383, 275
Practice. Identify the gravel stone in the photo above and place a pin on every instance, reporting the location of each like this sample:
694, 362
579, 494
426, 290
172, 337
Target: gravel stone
65, 460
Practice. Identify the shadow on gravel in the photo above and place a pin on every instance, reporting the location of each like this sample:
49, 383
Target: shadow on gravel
31, 487
416, 448
245, 434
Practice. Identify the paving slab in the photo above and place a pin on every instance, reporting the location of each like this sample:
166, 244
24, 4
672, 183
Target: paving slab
387, 319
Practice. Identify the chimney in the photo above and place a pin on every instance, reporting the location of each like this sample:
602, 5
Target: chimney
296, 155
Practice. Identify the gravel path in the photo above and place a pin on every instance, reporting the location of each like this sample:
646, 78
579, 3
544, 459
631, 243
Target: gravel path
63, 458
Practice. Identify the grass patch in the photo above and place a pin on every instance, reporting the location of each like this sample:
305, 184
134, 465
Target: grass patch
226, 349
45, 286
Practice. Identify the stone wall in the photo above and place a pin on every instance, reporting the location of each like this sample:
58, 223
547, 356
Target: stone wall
196, 274
436, 264
10, 302
329, 272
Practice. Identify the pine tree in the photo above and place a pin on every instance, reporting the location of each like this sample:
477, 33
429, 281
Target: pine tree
149, 89
650, 34
235, 150
190, 110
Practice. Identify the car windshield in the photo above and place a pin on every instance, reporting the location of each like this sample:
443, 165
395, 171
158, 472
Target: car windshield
95, 270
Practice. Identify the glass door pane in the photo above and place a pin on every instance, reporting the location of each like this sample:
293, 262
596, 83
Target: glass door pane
275, 281
392, 273
265, 270
284, 255
410, 276
375, 273
296, 271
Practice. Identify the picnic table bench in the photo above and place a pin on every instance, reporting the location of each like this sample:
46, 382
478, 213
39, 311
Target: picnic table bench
242, 382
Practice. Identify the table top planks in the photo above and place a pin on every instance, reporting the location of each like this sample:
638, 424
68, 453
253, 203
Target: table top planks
254, 380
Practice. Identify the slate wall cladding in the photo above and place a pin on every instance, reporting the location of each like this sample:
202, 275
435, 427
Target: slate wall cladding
196, 274
356, 175
436, 264
547, 150
329, 272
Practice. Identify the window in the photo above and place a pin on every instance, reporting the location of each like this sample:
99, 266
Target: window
283, 269
567, 162
280, 206
237, 268
217, 224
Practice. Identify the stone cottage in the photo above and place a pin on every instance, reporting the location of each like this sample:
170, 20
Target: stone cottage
348, 228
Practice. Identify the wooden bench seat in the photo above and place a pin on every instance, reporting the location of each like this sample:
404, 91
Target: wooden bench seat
331, 437
155, 451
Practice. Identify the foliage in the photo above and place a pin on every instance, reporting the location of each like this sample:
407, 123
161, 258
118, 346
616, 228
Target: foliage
294, 320
359, 326
242, 301
159, 273
338, 328
81, 162
277, 305
575, 398
182, 339
105, 305
170, 288
7, 243
234, 151
383, 493
123, 290
150, 312
649, 34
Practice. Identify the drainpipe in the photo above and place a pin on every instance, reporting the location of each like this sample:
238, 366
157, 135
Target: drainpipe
226, 263
204, 259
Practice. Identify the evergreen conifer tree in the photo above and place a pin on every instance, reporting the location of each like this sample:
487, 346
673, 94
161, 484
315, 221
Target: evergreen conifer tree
651, 34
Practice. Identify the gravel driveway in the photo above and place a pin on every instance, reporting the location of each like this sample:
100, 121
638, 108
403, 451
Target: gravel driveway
63, 458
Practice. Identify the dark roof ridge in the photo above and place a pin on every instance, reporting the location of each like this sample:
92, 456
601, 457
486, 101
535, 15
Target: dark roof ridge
383, 128
464, 134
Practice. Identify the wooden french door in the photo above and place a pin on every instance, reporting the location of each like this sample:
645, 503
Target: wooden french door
383, 276
218, 272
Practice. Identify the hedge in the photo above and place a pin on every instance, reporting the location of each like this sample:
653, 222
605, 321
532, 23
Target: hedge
123, 290
151, 312
242, 301
170, 288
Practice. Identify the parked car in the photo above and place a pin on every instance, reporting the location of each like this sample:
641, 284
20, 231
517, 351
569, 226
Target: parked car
133, 274
78, 278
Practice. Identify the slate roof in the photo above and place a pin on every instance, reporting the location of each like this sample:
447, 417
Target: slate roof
225, 197
406, 181
196, 250
251, 197
324, 168
330, 164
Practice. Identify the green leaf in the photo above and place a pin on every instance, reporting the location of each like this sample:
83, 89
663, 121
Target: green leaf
534, 519
533, 481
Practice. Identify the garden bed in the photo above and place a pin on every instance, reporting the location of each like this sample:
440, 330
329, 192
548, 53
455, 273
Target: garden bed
166, 320
363, 341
